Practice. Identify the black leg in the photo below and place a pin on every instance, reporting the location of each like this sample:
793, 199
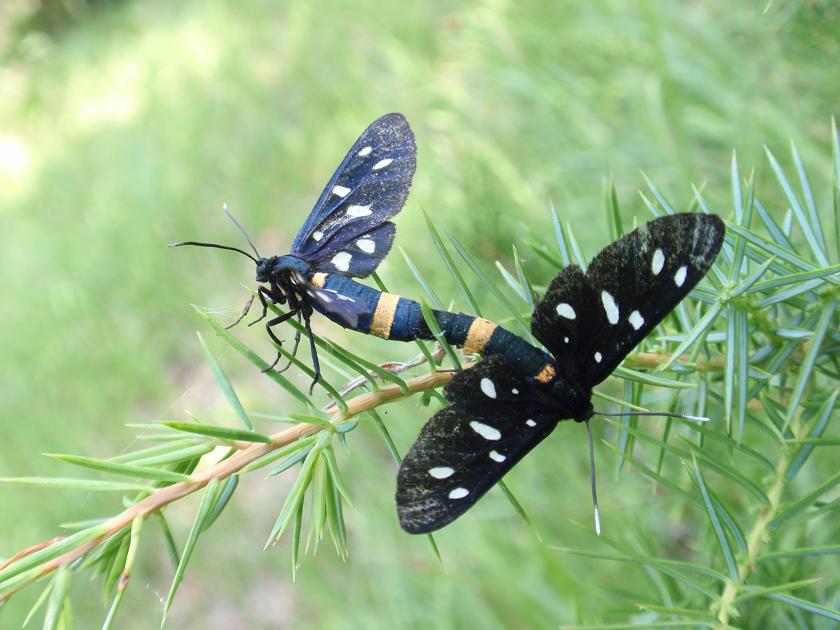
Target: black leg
294, 348
315, 363
273, 322
242, 315
263, 293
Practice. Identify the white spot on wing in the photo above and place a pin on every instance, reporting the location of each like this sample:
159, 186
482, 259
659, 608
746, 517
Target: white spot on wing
358, 211
488, 388
341, 261
530, 423
441, 472
658, 262
341, 191
458, 493
496, 456
382, 164
610, 307
566, 310
565, 340
514, 391
365, 151
366, 245
485, 430
636, 320
679, 277
598, 357
317, 235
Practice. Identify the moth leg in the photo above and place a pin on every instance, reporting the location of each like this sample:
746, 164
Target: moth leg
273, 322
314, 352
295, 347
242, 315
263, 293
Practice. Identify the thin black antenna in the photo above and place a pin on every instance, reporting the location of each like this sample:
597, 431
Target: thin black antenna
668, 414
241, 229
214, 245
592, 474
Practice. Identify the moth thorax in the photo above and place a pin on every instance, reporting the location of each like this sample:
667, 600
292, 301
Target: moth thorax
571, 400
289, 266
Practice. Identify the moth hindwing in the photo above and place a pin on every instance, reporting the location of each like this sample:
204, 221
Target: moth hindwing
465, 448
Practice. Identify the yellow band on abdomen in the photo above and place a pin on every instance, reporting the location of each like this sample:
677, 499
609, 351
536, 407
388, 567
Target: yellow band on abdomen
479, 335
383, 316
546, 374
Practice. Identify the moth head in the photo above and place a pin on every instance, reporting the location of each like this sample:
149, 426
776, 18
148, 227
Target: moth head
264, 268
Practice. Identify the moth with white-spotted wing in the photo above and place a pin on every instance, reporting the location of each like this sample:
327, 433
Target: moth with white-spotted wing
589, 321
347, 233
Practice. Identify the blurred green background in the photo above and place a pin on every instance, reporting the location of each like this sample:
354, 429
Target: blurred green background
125, 125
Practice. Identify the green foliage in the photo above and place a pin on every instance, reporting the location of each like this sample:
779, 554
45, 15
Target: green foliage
134, 124
755, 348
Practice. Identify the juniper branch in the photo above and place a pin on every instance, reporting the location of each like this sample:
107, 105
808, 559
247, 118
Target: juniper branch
221, 470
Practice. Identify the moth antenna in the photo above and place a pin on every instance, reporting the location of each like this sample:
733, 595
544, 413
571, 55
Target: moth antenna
215, 246
668, 414
241, 229
592, 474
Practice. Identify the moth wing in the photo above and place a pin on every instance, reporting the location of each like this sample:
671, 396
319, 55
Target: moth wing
564, 320
347, 308
367, 189
359, 257
629, 287
465, 448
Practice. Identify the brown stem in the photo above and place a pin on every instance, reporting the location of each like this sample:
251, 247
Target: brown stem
224, 469
250, 452
652, 360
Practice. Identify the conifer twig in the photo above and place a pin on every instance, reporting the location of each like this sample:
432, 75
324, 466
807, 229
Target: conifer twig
224, 469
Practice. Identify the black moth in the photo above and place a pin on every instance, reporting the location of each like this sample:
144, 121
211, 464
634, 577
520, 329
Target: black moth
348, 232
589, 322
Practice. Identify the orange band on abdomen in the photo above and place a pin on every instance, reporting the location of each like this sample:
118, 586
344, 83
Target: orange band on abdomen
479, 335
546, 374
383, 316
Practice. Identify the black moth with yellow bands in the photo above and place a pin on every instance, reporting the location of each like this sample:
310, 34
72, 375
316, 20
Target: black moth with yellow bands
508, 403
589, 322
346, 235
